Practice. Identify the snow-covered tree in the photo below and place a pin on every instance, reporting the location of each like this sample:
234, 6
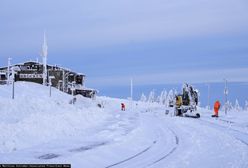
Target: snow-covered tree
162, 97
170, 97
157, 99
229, 106
175, 92
237, 106
165, 97
246, 106
151, 97
143, 97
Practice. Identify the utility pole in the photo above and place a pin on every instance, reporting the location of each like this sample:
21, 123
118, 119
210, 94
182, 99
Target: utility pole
50, 87
131, 92
131, 89
13, 83
72, 92
208, 85
225, 93
44, 58
8, 73
63, 84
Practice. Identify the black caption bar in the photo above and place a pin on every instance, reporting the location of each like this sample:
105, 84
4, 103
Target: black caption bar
35, 165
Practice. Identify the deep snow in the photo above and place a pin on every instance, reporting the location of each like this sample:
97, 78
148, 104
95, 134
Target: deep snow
36, 128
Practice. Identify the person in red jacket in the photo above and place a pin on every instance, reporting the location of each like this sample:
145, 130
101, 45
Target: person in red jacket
123, 107
216, 109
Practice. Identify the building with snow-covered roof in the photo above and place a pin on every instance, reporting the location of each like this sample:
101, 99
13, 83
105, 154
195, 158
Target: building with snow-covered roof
43, 73
61, 78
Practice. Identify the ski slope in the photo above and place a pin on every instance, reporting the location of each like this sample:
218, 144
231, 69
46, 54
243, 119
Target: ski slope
36, 128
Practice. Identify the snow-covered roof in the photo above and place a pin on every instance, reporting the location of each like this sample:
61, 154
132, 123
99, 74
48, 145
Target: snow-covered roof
39, 63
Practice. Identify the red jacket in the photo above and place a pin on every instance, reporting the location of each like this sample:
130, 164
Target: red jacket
217, 105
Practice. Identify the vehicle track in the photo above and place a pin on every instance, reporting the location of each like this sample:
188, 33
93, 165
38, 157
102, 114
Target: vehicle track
228, 129
146, 150
168, 154
132, 157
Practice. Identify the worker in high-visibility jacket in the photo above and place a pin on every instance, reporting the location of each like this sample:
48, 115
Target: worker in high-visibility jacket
216, 109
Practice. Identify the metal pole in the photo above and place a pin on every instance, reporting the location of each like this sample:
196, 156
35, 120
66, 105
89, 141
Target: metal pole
44, 57
131, 92
225, 93
72, 92
8, 81
63, 84
13, 84
208, 96
50, 87
131, 89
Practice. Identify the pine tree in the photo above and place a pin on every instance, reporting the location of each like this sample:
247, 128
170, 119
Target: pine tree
161, 97
164, 100
151, 97
237, 106
170, 97
229, 106
143, 98
246, 106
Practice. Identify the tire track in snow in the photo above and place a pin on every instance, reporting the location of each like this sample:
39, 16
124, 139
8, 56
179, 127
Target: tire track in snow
170, 152
209, 122
134, 156
147, 149
241, 141
228, 131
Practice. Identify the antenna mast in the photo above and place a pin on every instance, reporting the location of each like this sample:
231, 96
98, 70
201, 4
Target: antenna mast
44, 58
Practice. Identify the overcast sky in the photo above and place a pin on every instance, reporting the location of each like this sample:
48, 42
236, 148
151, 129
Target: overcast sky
152, 41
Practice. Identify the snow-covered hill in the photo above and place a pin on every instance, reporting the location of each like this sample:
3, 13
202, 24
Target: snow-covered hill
36, 128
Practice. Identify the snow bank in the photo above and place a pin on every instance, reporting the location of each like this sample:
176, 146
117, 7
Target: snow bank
33, 117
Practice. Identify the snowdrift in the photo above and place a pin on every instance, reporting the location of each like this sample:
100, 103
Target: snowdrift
33, 117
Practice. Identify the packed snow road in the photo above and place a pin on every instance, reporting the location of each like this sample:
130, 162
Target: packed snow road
143, 140
195, 145
84, 135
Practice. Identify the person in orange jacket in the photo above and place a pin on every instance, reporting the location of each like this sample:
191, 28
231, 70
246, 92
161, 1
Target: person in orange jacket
216, 109
123, 107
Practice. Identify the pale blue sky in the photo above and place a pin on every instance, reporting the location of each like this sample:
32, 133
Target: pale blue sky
153, 41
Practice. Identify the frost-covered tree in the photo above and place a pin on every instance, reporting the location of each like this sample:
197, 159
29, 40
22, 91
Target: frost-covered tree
228, 105
162, 97
170, 97
157, 99
165, 98
237, 106
151, 97
246, 106
143, 97
175, 92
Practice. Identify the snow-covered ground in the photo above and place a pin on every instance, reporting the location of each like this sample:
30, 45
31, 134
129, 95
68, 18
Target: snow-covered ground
36, 128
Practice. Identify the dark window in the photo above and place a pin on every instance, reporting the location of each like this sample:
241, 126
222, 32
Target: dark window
78, 79
2, 77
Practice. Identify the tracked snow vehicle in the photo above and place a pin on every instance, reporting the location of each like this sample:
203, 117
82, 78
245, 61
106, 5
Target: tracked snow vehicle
186, 103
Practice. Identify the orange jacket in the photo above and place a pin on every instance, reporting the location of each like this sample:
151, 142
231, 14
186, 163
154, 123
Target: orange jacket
217, 105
